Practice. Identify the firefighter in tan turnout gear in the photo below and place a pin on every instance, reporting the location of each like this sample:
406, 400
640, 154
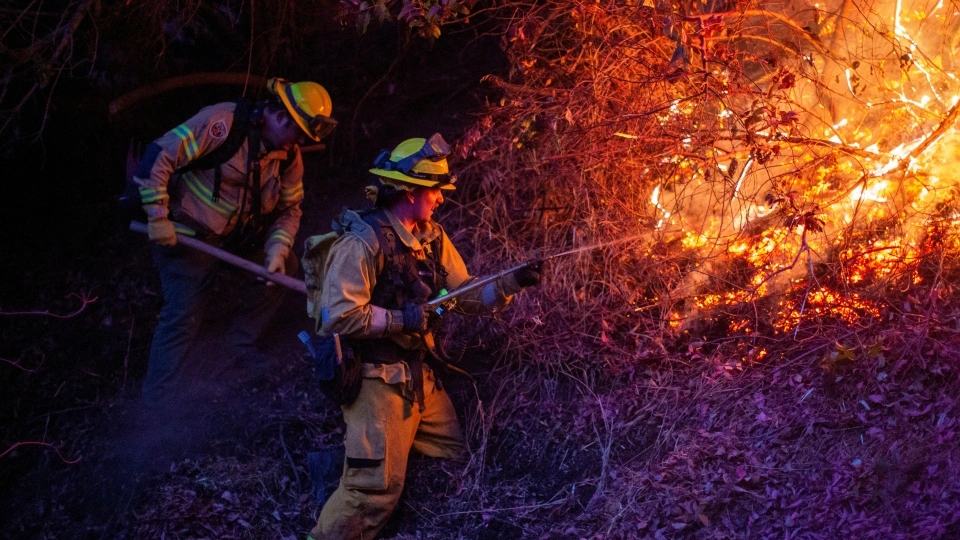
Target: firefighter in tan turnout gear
202, 179
377, 275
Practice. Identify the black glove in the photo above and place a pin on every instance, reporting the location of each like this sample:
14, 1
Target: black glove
415, 317
529, 275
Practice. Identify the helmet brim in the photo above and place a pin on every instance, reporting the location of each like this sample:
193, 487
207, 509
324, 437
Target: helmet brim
397, 175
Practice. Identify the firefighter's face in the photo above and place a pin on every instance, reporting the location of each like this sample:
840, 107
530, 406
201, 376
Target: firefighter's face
281, 132
425, 201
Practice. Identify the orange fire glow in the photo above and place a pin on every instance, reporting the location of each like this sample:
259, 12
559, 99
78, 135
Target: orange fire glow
857, 184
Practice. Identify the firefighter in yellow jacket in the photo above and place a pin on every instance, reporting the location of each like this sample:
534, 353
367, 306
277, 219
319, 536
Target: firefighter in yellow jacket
247, 202
377, 276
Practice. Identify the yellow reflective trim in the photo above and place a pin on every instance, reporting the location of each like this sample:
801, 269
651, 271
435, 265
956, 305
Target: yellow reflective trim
189, 142
205, 195
183, 229
149, 195
287, 194
152, 199
283, 236
178, 131
194, 147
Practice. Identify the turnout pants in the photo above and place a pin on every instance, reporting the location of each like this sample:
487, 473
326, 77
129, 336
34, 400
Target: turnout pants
186, 276
382, 427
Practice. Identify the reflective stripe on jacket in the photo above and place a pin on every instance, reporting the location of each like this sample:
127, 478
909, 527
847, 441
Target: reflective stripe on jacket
188, 195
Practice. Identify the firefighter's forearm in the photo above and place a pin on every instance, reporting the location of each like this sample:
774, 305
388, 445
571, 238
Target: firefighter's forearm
284, 229
362, 322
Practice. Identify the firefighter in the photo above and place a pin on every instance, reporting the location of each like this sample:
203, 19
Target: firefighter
377, 276
247, 202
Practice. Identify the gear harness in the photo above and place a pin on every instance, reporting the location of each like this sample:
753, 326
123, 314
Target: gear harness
403, 278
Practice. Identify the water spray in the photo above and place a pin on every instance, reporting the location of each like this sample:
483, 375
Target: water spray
442, 302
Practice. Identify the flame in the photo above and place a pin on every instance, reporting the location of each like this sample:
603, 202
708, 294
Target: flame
823, 304
872, 193
655, 199
694, 240
876, 179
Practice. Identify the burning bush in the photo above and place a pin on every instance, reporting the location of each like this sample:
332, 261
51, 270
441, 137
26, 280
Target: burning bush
770, 163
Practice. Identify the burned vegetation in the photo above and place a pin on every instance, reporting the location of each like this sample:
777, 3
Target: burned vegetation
753, 335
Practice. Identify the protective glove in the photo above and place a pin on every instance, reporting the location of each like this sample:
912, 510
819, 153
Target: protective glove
161, 231
415, 317
529, 275
276, 258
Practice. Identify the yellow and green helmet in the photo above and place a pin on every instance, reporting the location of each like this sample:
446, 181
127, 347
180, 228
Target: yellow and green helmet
417, 162
308, 103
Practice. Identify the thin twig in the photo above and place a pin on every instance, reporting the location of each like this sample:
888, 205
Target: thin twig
84, 299
293, 466
38, 443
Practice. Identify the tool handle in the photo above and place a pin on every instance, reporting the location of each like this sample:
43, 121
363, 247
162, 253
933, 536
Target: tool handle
277, 277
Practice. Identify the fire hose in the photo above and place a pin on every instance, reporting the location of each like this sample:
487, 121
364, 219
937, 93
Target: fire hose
444, 302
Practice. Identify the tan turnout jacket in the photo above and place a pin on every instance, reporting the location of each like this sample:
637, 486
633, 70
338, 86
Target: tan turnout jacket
187, 197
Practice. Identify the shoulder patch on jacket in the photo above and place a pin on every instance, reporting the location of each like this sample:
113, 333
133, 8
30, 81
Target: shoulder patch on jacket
218, 129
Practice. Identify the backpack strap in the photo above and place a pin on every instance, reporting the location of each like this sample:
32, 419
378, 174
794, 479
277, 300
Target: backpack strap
389, 288
253, 162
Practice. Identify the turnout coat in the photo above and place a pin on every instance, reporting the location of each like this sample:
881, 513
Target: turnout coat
168, 187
